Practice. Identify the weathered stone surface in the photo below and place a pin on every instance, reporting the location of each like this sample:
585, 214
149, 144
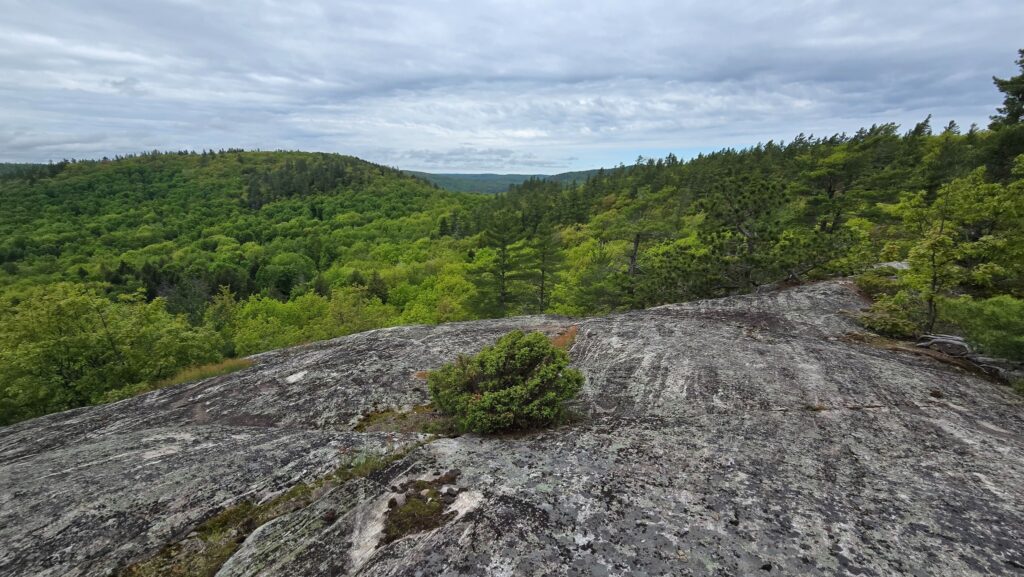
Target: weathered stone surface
949, 344
84, 509
1003, 369
740, 436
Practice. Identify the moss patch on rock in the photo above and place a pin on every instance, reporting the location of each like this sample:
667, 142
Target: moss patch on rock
420, 419
420, 506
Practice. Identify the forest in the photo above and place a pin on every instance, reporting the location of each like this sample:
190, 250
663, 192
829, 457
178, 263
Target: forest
117, 274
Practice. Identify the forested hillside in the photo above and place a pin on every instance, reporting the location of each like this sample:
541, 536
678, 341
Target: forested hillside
115, 274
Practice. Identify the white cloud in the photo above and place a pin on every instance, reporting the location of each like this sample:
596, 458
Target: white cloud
483, 86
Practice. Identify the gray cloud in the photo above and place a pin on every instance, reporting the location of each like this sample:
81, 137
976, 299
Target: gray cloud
485, 86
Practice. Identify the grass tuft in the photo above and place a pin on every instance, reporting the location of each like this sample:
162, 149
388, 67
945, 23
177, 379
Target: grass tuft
183, 376
204, 372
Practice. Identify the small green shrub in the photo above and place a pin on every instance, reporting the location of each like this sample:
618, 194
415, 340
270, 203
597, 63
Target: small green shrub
880, 281
896, 316
521, 382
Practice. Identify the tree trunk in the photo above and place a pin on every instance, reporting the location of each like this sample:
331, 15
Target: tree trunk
633, 255
631, 273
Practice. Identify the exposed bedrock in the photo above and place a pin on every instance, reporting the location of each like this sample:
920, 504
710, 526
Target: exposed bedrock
738, 436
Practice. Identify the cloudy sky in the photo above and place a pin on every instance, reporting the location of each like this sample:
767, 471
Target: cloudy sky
486, 86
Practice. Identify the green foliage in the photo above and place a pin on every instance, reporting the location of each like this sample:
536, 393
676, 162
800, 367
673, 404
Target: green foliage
994, 325
520, 382
965, 238
285, 272
896, 315
64, 346
262, 323
1012, 111
877, 282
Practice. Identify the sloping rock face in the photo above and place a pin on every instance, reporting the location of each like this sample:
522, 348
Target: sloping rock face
740, 436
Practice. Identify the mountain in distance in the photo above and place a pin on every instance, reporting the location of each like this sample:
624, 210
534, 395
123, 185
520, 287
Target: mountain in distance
490, 183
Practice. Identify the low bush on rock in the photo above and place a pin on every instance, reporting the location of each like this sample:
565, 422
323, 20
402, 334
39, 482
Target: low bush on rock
894, 316
521, 382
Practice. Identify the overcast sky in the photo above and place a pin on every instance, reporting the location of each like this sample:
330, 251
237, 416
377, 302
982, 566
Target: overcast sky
487, 86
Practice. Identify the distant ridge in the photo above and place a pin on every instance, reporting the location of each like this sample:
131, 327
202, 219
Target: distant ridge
494, 183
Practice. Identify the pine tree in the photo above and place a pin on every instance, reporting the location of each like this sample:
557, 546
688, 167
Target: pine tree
540, 258
1012, 111
741, 226
1007, 140
494, 274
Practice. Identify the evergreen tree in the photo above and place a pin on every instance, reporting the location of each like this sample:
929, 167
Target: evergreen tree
495, 269
1011, 113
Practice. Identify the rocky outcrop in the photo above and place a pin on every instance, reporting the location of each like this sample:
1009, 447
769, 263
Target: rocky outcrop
951, 345
1003, 370
740, 436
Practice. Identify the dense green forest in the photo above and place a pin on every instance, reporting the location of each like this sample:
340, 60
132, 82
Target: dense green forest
115, 274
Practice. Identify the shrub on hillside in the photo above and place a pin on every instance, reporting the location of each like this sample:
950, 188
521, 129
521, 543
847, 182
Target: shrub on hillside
67, 345
520, 382
877, 282
897, 315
